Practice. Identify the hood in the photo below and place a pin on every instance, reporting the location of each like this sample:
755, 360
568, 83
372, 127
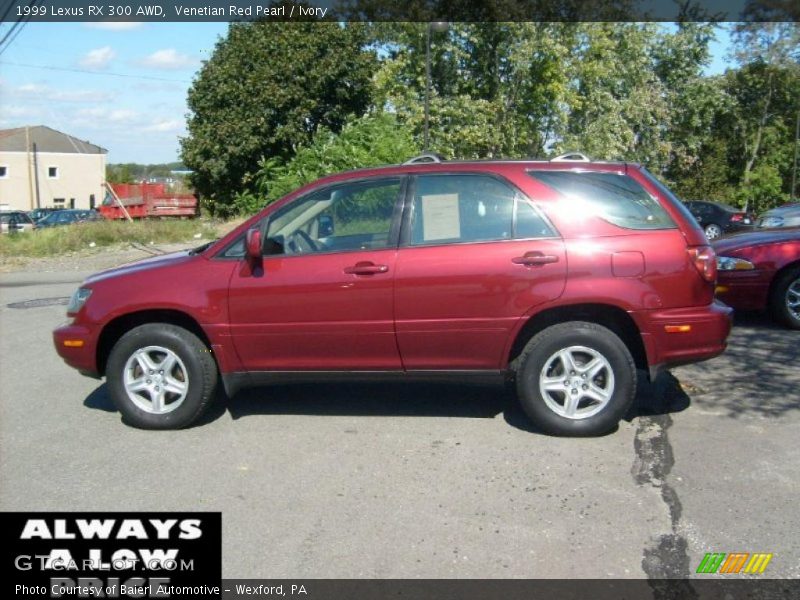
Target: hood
146, 264
782, 211
755, 238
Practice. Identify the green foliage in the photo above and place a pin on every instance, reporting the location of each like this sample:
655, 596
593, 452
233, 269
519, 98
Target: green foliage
762, 190
133, 172
497, 89
364, 142
265, 92
263, 124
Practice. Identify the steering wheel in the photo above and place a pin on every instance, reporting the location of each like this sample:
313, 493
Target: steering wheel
300, 242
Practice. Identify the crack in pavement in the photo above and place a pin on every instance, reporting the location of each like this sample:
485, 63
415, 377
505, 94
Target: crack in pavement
666, 557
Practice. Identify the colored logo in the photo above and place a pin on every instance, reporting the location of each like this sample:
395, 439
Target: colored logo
736, 562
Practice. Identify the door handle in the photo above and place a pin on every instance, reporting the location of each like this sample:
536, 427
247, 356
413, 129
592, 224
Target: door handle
366, 268
535, 259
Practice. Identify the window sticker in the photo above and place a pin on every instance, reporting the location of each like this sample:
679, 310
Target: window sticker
440, 217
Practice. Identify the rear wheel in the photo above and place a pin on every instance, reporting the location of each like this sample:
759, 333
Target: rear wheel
161, 376
784, 298
576, 379
713, 231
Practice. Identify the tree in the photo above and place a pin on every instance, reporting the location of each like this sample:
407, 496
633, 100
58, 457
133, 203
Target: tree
497, 88
765, 90
119, 173
369, 141
619, 109
265, 91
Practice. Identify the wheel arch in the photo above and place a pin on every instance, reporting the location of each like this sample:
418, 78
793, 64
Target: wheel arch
122, 324
780, 273
612, 317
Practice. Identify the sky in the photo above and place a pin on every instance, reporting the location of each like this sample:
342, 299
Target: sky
123, 86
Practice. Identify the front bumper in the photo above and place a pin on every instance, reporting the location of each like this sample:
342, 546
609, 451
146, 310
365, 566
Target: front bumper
744, 290
77, 345
681, 336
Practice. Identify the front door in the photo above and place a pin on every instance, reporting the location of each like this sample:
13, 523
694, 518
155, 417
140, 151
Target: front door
323, 300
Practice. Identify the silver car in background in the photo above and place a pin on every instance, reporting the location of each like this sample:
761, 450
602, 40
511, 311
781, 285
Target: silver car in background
787, 215
15, 220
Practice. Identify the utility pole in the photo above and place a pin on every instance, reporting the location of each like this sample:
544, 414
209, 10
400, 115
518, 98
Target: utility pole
440, 27
29, 161
427, 83
36, 176
794, 169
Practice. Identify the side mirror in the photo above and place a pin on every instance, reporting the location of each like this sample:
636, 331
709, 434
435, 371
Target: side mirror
324, 226
252, 244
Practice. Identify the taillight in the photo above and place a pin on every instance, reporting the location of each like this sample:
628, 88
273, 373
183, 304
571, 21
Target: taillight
705, 261
737, 217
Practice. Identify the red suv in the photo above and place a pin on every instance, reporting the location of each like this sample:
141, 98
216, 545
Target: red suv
566, 276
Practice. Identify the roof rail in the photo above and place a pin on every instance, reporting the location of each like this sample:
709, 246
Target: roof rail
426, 157
574, 156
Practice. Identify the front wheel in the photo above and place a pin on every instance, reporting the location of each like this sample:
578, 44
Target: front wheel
784, 298
576, 379
161, 376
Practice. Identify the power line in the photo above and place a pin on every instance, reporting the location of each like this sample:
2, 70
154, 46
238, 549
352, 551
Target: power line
8, 10
18, 26
86, 71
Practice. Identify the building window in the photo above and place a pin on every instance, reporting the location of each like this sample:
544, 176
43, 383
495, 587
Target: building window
58, 201
3, 171
52, 172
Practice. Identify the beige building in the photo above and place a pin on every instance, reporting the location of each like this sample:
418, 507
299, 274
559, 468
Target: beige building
41, 167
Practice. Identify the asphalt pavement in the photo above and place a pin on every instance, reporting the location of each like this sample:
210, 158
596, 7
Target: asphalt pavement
417, 481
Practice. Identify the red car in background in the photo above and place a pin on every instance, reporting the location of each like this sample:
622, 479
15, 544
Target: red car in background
761, 270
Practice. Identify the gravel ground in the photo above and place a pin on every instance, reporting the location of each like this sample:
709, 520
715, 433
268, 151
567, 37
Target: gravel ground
393, 481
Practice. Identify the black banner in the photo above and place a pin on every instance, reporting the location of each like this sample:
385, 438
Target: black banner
513, 589
158, 11
112, 555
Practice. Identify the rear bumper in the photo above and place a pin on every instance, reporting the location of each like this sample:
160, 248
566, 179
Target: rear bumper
81, 357
706, 330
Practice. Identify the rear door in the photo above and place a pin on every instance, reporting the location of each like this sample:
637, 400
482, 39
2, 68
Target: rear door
475, 257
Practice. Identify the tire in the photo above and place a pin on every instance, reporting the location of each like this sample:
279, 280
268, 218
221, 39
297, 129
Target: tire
600, 399
712, 231
784, 299
144, 396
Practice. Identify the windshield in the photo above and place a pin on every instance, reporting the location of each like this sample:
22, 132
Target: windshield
50, 217
19, 217
203, 247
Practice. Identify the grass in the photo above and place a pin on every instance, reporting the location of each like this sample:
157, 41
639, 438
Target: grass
85, 236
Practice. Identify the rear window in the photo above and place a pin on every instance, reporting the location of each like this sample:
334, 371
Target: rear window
6, 218
614, 197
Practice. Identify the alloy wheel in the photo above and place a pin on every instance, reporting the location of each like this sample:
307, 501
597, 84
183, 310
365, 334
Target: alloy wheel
576, 382
156, 380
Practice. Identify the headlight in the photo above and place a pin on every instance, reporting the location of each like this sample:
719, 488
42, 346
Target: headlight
726, 263
772, 222
77, 301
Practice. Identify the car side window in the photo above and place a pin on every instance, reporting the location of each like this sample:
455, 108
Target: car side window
528, 223
461, 208
348, 217
614, 197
